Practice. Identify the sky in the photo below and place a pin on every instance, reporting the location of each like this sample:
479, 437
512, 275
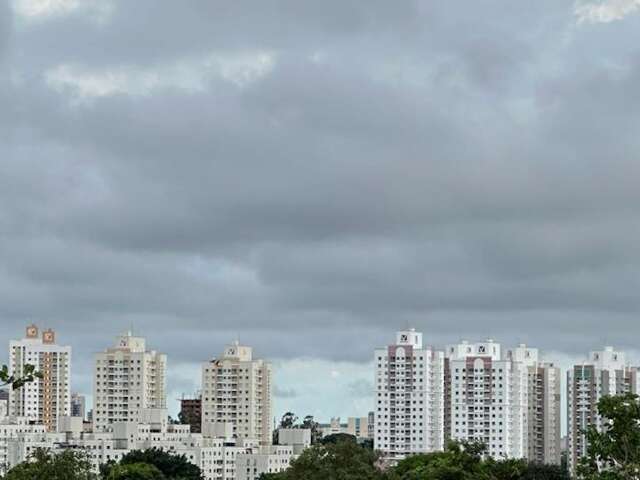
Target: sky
310, 177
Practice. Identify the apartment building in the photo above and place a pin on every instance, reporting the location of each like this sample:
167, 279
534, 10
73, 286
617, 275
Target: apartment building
191, 412
409, 397
128, 378
46, 399
543, 422
605, 372
237, 389
510, 401
214, 451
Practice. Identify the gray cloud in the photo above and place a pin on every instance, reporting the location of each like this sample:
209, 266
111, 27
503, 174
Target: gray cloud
303, 175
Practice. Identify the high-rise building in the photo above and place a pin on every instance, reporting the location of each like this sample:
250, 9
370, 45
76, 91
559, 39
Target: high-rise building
46, 399
191, 412
486, 396
604, 373
78, 405
409, 397
509, 402
236, 388
127, 379
543, 403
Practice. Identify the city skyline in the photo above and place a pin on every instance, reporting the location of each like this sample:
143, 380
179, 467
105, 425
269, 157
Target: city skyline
564, 364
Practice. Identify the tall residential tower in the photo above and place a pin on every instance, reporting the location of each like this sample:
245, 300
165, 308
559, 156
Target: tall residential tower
128, 378
409, 397
237, 389
48, 398
604, 373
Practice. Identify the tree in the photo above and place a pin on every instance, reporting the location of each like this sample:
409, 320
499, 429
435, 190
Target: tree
339, 461
338, 437
68, 465
173, 467
135, 471
613, 453
29, 374
468, 461
310, 424
288, 420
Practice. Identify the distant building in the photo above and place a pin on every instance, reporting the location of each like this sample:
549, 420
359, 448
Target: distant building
215, 451
606, 372
45, 399
128, 379
236, 389
191, 412
78, 405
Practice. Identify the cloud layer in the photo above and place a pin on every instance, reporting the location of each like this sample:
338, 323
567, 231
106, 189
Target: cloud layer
310, 177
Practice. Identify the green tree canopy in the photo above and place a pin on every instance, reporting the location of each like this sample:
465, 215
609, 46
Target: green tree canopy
334, 461
613, 453
135, 471
68, 465
173, 467
29, 374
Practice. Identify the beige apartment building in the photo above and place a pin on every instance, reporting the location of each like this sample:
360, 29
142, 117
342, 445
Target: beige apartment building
237, 389
128, 378
47, 399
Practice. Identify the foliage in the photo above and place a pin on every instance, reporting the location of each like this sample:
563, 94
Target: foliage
310, 424
29, 374
333, 461
68, 465
290, 420
338, 437
135, 471
467, 461
173, 467
613, 453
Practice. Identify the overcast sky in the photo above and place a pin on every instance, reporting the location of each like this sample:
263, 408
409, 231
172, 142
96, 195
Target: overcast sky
310, 177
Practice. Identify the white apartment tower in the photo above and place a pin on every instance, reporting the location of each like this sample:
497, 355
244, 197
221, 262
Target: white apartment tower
605, 373
127, 379
509, 402
237, 389
543, 408
47, 399
409, 409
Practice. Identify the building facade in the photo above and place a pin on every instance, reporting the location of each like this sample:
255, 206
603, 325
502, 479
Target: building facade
127, 379
409, 397
237, 389
543, 420
510, 401
605, 372
48, 398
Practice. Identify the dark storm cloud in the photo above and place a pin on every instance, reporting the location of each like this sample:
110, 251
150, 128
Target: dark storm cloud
300, 175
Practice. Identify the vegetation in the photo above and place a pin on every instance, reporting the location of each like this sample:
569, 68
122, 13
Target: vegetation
341, 458
135, 471
68, 465
613, 453
29, 375
290, 420
333, 461
170, 466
